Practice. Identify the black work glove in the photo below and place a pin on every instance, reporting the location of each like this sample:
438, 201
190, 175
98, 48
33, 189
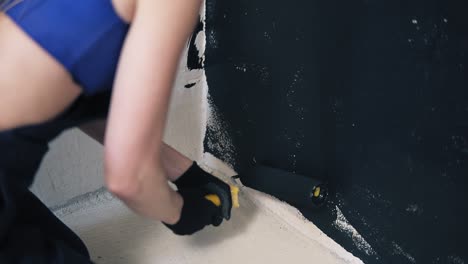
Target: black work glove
195, 177
197, 212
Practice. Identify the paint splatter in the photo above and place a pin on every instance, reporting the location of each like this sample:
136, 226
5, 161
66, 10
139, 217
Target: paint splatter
195, 58
190, 85
200, 43
397, 250
342, 224
297, 82
455, 260
298, 77
414, 209
299, 145
212, 39
258, 70
373, 198
242, 67
293, 161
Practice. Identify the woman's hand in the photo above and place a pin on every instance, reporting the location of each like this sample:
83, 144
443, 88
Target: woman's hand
195, 177
197, 212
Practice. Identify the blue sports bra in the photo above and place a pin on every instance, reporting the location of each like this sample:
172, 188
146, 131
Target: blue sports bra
85, 36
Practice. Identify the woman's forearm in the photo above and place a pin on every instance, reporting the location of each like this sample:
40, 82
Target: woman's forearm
133, 143
174, 163
155, 199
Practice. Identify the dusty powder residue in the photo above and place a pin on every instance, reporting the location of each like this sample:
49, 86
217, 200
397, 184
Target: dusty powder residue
212, 39
414, 209
342, 224
399, 251
241, 67
291, 96
456, 260
219, 141
260, 70
82, 202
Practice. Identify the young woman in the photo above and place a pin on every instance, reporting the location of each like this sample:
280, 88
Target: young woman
58, 61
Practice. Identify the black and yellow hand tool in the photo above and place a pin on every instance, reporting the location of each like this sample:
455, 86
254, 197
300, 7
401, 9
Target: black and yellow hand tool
234, 196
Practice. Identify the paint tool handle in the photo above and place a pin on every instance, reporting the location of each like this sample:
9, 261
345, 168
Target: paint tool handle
234, 195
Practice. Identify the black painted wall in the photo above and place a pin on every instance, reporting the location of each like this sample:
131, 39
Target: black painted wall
371, 96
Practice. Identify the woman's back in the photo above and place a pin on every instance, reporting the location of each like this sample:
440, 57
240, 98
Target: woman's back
51, 49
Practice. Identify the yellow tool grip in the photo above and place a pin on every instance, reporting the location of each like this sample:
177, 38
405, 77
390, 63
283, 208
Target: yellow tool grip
317, 192
234, 194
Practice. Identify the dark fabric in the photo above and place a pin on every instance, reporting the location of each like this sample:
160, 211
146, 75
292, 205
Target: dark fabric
29, 231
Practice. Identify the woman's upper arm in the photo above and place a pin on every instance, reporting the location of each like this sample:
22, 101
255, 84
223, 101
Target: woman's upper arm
143, 83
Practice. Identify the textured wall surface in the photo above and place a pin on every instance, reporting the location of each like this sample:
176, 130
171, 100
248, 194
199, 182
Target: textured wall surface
369, 96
